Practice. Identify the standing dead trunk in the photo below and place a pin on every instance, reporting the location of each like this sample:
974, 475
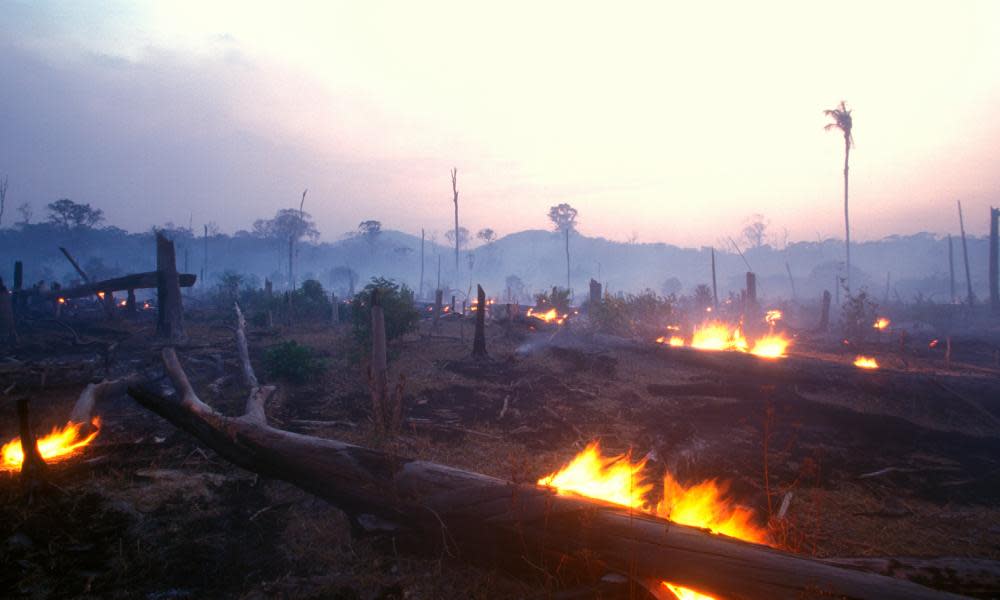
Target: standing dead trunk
479, 339
951, 270
715, 289
995, 259
420, 294
33, 467
18, 298
970, 298
204, 259
824, 318
751, 292
8, 330
791, 280
130, 306
379, 375
847, 222
568, 288
454, 189
335, 310
595, 294
170, 320
438, 300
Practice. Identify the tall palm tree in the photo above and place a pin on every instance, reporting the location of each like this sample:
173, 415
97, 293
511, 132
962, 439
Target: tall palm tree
842, 120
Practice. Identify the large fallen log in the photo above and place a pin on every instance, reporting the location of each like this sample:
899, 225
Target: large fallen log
487, 517
136, 281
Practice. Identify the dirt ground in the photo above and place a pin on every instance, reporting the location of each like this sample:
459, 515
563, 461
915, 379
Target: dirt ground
873, 468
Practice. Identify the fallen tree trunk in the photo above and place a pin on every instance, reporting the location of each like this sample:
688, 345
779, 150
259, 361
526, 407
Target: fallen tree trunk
488, 517
135, 281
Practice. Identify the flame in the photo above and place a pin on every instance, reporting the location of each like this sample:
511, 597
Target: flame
617, 479
61, 300
683, 593
552, 315
933, 343
100, 295
674, 340
122, 303
881, 323
771, 346
715, 335
58, 444
772, 317
145, 306
865, 362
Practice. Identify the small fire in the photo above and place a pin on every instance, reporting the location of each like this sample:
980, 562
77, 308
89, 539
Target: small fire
100, 295
145, 306
881, 323
61, 300
617, 479
122, 302
865, 362
674, 340
772, 317
550, 316
718, 336
58, 444
933, 343
770, 346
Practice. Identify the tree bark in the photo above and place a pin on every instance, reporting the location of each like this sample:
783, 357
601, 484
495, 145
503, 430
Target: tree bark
824, 318
170, 320
475, 515
479, 339
951, 270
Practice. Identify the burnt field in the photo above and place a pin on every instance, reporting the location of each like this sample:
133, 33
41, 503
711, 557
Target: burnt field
899, 465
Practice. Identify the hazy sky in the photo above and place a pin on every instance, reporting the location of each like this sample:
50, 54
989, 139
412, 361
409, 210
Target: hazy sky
675, 121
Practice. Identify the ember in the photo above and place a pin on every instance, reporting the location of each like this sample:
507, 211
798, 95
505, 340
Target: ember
716, 335
881, 323
59, 444
865, 362
772, 317
549, 317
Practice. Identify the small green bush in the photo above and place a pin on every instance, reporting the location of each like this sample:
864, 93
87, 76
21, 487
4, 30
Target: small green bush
293, 362
632, 314
401, 316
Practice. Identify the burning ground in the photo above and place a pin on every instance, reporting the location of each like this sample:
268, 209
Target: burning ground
892, 462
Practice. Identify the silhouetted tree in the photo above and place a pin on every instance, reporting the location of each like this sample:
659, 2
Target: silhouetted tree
461, 238
487, 235
289, 225
3, 197
755, 231
369, 231
563, 217
842, 120
66, 214
26, 212
458, 238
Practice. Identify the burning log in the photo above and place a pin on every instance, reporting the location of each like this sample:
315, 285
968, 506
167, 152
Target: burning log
479, 339
475, 514
170, 321
33, 467
132, 282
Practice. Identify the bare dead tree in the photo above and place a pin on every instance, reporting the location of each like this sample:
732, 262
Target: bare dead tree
479, 338
454, 190
3, 197
970, 298
420, 294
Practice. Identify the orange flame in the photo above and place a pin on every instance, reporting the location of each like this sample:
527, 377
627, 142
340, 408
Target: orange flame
865, 362
772, 317
59, 444
550, 316
881, 323
100, 295
771, 346
61, 300
617, 479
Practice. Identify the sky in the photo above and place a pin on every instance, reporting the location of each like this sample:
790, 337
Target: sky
661, 121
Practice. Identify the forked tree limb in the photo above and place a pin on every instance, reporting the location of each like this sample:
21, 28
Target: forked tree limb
478, 515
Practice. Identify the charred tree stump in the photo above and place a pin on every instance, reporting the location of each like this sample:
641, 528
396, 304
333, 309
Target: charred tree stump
8, 328
268, 289
33, 467
715, 289
479, 338
595, 293
170, 320
335, 312
824, 317
951, 270
970, 296
476, 515
130, 306
751, 292
18, 298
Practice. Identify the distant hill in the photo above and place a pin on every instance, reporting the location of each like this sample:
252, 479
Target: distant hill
915, 264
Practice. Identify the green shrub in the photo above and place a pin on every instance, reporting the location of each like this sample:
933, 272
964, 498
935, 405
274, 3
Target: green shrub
401, 316
858, 315
293, 362
632, 314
